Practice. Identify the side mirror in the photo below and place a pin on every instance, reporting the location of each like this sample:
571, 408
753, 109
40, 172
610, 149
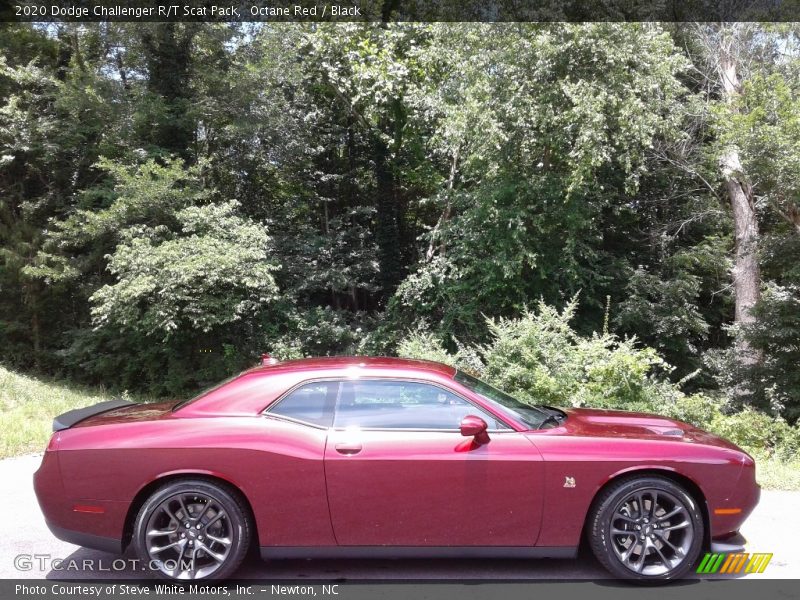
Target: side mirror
475, 427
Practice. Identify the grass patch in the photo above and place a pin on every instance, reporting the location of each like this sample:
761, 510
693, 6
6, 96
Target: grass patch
27, 408
776, 474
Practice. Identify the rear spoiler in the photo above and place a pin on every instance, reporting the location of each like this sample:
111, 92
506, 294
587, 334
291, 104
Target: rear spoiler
68, 419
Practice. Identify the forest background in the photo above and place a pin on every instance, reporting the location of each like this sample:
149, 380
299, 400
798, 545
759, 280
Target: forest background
585, 214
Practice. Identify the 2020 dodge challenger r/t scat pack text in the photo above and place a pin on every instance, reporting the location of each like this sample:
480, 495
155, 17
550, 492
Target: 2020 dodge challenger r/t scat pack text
381, 457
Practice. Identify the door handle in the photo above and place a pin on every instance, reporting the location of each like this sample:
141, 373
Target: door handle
348, 448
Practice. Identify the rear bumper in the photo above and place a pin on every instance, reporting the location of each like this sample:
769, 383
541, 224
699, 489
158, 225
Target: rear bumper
87, 540
101, 529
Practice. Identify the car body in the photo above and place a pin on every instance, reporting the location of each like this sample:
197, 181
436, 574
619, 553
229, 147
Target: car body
384, 457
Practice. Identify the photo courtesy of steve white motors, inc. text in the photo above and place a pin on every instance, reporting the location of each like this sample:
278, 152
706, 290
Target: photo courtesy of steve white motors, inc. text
172, 589
177, 11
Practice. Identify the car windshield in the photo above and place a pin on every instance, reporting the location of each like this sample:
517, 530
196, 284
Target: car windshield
532, 416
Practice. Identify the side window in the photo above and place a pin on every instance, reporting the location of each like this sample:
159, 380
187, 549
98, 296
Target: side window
403, 405
310, 403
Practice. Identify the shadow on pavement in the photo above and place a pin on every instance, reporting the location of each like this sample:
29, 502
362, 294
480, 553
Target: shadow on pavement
86, 564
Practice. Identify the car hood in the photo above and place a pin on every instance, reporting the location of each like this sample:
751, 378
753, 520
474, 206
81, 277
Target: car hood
624, 424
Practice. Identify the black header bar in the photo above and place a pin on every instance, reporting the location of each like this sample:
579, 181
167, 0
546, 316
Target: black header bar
400, 10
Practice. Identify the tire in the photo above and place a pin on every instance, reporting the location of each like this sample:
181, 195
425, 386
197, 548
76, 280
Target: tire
197, 530
659, 543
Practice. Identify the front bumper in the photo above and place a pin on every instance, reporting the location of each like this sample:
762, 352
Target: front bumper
731, 543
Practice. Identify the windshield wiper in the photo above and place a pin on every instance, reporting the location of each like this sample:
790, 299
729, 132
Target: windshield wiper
552, 410
554, 417
550, 419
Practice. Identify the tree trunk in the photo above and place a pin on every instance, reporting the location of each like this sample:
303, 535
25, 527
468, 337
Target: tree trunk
30, 297
168, 57
386, 231
445, 216
37, 339
746, 274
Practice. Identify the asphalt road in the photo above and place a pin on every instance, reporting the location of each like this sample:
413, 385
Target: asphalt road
773, 527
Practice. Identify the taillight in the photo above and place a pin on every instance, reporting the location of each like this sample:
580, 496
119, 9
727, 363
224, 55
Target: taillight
53, 443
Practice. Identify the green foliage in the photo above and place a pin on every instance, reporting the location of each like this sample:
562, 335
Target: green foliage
541, 356
767, 127
187, 362
424, 345
563, 145
698, 409
669, 305
774, 382
214, 270
541, 359
148, 193
319, 332
366, 72
752, 429
190, 282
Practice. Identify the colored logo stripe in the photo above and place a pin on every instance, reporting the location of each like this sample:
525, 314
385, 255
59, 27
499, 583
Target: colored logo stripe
733, 563
758, 562
711, 563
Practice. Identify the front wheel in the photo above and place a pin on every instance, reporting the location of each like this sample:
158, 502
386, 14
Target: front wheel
647, 529
192, 529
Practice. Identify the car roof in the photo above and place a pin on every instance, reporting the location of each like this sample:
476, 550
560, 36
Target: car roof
249, 392
363, 362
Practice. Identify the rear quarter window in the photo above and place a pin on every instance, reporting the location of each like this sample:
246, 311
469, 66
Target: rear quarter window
310, 403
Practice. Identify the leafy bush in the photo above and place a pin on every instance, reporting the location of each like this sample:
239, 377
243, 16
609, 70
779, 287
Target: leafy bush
697, 409
426, 346
541, 359
318, 332
214, 272
748, 428
755, 431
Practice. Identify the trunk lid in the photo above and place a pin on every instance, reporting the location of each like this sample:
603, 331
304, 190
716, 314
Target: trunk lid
112, 411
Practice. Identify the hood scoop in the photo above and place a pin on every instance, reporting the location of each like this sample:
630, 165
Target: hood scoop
673, 432
633, 424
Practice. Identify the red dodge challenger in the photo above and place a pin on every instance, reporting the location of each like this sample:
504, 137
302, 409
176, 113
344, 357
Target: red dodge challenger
383, 457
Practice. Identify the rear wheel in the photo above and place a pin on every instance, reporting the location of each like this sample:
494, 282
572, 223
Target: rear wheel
646, 529
193, 529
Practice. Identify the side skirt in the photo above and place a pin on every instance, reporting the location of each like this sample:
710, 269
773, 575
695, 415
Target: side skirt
384, 552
